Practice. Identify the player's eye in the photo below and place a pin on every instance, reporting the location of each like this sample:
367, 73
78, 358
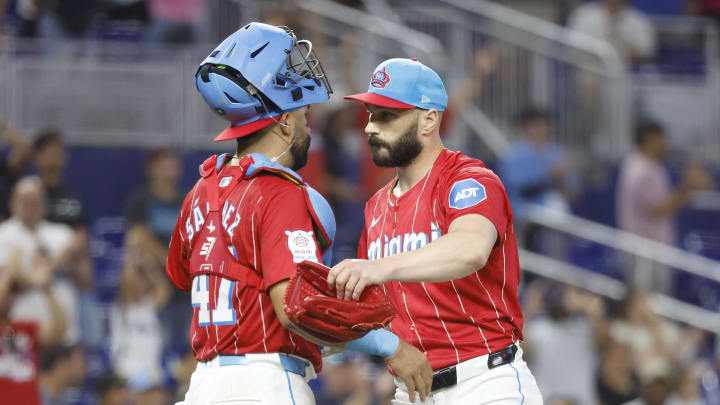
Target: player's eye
381, 116
385, 116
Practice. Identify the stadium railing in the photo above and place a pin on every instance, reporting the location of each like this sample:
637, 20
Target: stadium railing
681, 88
643, 253
609, 287
135, 94
579, 79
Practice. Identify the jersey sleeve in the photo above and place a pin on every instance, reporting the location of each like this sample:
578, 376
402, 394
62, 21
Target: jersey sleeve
285, 235
475, 191
177, 266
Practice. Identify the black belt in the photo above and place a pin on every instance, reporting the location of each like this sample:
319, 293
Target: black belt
447, 377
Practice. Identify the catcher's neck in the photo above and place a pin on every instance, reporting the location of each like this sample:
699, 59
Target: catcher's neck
415, 171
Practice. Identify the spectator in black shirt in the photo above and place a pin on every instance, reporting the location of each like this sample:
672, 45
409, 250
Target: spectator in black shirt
617, 382
12, 164
50, 157
152, 210
64, 206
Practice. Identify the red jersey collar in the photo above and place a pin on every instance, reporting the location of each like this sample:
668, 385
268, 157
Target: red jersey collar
439, 160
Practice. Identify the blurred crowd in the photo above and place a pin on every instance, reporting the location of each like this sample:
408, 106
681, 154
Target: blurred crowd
624, 23
166, 21
582, 348
584, 351
49, 310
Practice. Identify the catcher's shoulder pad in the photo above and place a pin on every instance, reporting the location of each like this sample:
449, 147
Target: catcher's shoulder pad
258, 163
255, 164
213, 164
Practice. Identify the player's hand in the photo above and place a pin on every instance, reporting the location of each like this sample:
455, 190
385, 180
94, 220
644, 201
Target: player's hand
351, 276
411, 366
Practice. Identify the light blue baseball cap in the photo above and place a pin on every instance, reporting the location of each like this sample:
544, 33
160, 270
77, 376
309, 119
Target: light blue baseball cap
404, 84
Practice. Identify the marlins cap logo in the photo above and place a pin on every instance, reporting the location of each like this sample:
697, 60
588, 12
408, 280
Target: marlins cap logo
380, 79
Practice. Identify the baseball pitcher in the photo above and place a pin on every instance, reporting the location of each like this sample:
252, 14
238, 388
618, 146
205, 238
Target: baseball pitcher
439, 238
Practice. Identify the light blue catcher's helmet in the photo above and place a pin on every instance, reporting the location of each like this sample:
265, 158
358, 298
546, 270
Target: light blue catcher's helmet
258, 73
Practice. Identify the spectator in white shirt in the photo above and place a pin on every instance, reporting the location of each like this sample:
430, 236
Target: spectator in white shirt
628, 30
44, 249
573, 326
136, 338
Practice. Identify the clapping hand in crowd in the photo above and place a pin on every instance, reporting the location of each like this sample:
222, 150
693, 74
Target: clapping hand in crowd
696, 178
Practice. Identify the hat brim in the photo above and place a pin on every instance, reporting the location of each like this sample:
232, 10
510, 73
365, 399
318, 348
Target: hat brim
234, 132
380, 101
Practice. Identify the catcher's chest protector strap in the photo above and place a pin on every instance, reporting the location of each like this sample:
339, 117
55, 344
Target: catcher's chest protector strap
320, 211
212, 251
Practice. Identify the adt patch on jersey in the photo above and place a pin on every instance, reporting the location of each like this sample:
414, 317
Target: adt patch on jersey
302, 245
466, 193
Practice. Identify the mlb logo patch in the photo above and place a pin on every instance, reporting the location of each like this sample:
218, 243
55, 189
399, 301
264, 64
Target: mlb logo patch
225, 181
466, 193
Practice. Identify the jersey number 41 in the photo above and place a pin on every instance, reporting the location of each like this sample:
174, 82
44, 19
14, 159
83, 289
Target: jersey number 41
223, 312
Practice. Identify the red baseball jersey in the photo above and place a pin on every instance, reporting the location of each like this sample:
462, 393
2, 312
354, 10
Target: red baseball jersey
19, 364
461, 319
262, 227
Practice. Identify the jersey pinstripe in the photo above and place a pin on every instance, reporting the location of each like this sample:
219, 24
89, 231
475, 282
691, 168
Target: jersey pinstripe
252, 227
461, 319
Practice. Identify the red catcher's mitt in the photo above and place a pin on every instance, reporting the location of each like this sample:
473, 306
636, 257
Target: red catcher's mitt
314, 307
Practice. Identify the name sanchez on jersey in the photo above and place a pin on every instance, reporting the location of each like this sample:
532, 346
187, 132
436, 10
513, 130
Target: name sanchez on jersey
196, 220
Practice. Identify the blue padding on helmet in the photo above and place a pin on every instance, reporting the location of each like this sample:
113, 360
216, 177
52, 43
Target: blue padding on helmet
326, 217
258, 53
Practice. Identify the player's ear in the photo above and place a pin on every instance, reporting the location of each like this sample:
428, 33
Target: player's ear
286, 119
429, 121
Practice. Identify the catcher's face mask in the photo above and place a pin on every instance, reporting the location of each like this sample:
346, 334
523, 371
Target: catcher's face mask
301, 62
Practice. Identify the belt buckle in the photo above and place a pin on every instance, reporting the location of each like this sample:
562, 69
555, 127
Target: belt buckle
443, 378
502, 357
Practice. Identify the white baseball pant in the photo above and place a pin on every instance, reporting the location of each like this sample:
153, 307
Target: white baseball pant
509, 384
261, 380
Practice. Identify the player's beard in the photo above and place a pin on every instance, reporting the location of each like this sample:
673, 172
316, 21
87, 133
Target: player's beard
299, 152
399, 154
